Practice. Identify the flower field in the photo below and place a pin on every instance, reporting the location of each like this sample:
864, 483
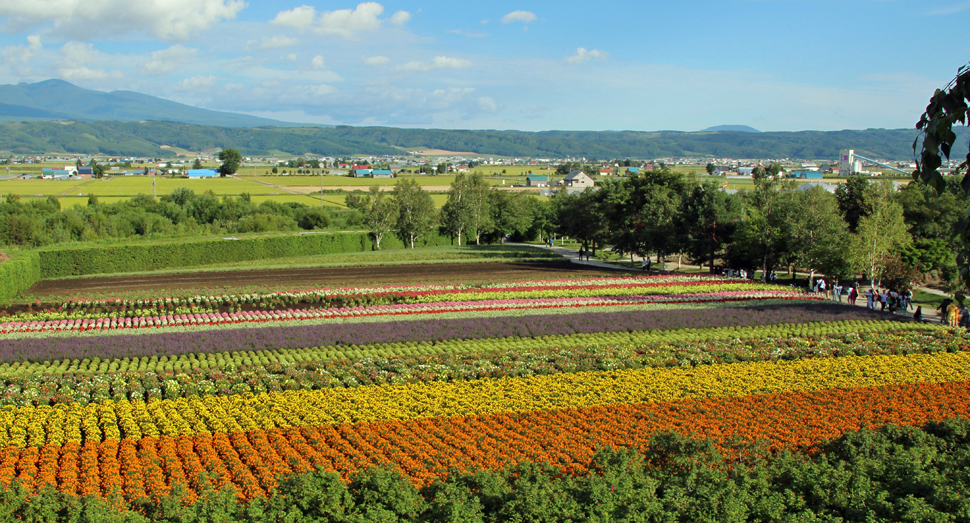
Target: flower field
140, 399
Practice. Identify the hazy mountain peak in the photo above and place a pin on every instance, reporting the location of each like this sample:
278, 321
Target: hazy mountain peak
57, 99
735, 128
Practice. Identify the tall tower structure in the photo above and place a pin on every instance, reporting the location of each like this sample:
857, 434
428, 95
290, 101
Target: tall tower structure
847, 162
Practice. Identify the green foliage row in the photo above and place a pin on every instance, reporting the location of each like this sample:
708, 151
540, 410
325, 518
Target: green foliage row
233, 360
119, 258
78, 260
890, 475
182, 213
258, 377
18, 274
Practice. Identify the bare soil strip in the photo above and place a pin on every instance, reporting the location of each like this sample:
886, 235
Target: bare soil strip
321, 277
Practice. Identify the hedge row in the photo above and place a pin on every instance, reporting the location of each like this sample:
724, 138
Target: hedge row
107, 259
18, 274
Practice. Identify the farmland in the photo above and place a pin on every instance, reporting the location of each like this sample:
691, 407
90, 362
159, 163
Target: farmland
176, 395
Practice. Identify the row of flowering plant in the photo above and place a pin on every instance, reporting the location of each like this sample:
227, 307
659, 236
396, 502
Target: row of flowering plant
256, 376
322, 298
97, 422
222, 318
254, 463
69, 351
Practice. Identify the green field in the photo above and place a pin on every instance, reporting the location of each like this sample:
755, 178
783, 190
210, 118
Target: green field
349, 181
38, 187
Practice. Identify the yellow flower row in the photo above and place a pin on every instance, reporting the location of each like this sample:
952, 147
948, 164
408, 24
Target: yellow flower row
35, 426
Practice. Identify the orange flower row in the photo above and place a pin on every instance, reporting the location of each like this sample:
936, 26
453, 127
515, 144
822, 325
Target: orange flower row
425, 449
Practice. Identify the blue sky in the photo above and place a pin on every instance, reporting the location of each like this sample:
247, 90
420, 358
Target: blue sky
776, 65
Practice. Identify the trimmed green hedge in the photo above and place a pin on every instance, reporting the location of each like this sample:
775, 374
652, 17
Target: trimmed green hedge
106, 259
25, 269
18, 274
101, 259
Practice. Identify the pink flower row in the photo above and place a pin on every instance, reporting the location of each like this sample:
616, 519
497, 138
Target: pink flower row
82, 325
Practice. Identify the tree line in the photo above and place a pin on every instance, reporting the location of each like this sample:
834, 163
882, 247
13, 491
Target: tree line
41, 222
869, 229
145, 139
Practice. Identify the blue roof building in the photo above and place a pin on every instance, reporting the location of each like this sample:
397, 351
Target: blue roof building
202, 173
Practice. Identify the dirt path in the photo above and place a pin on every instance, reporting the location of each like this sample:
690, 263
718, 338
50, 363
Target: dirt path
76, 187
317, 277
274, 186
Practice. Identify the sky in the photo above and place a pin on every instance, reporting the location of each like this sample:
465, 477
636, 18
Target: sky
775, 65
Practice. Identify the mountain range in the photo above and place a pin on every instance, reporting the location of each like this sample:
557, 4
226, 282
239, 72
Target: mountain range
57, 117
60, 100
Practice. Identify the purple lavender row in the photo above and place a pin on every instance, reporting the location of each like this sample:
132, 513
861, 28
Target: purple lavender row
294, 337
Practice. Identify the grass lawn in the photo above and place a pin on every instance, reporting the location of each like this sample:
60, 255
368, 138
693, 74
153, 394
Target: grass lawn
132, 185
928, 300
38, 187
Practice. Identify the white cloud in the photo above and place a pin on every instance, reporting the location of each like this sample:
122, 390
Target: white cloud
166, 60
75, 58
526, 17
289, 57
297, 18
277, 42
169, 20
582, 55
197, 83
317, 63
439, 62
951, 10
20, 53
400, 17
487, 104
348, 24
468, 34
377, 60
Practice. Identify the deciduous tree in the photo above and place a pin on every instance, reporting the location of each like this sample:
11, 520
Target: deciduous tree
381, 214
416, 212
231, 160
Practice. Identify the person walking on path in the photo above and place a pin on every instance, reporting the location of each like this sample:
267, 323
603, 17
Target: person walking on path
870, 299
883, 300
821, 287
837, 292
953, 314
943, 309
918, 315
853, 294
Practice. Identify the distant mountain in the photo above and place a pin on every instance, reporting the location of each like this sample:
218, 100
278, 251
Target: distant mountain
60, 100
148, 138
732, 128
